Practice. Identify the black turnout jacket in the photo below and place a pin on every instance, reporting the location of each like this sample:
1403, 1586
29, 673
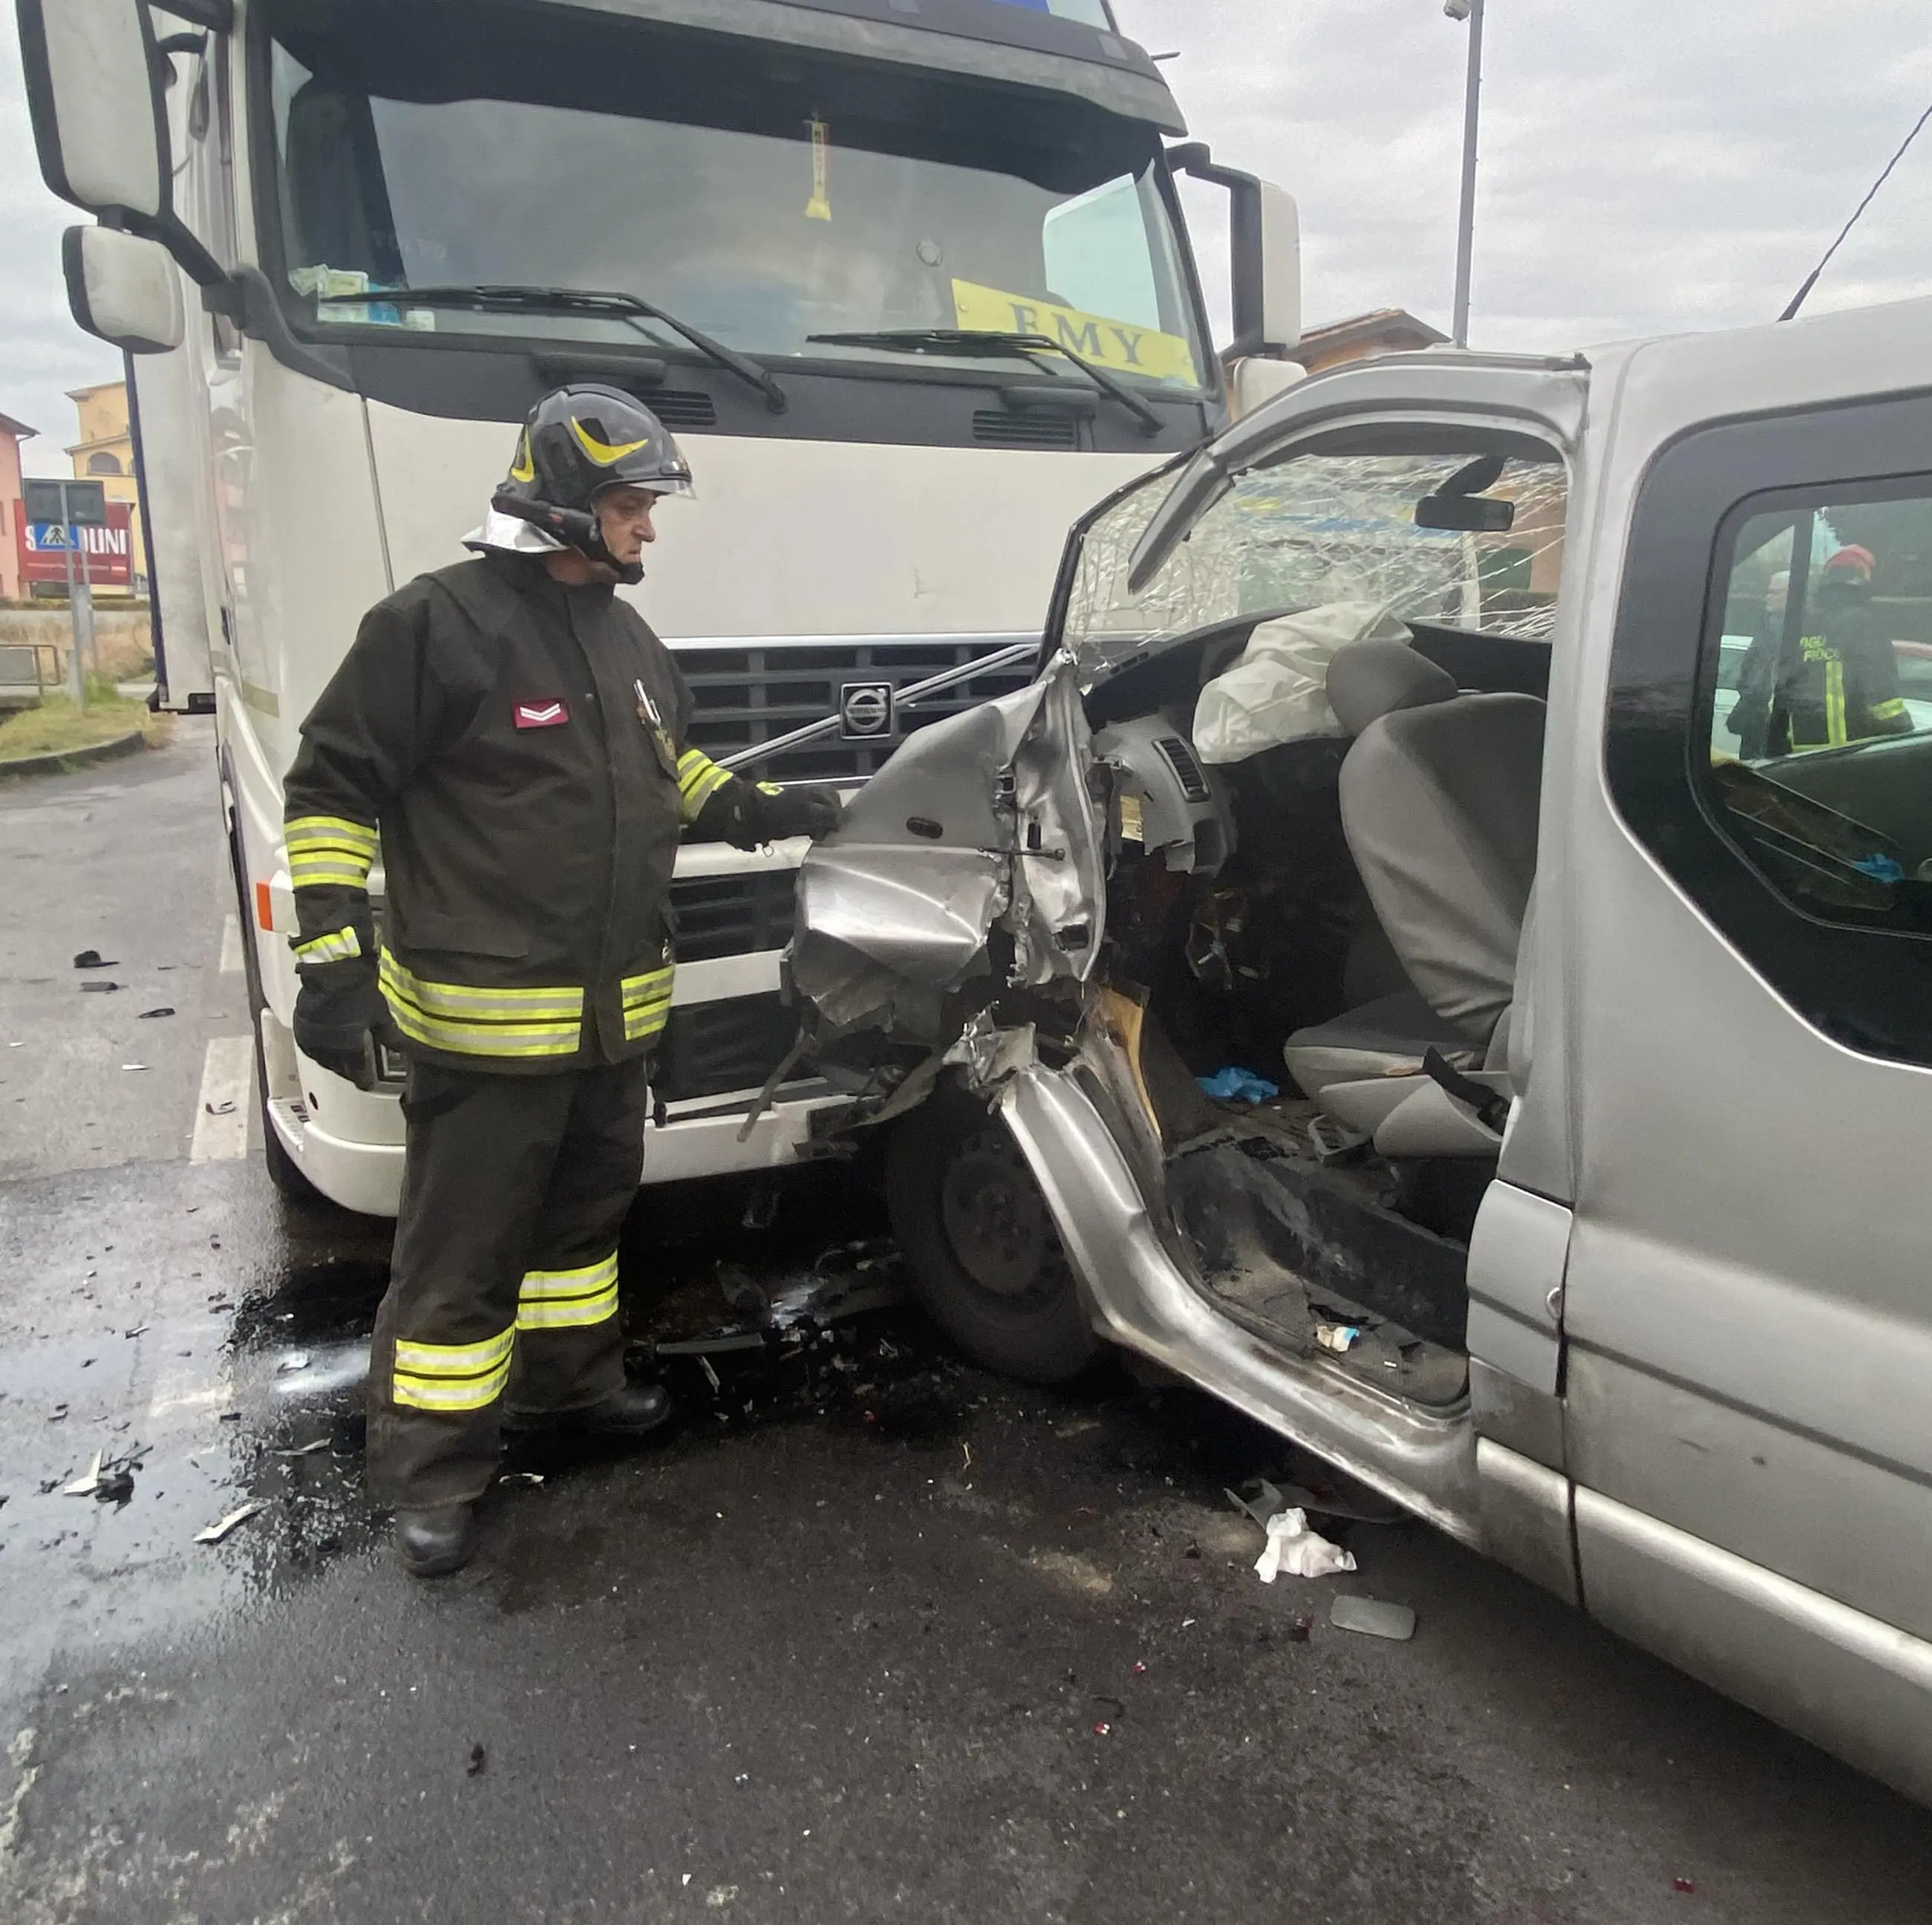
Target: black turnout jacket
515, 751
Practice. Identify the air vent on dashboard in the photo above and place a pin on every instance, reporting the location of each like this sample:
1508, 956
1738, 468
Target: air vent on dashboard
681, 407
1187, 770
1000, 429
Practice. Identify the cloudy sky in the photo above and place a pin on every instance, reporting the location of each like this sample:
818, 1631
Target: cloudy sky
1646, 164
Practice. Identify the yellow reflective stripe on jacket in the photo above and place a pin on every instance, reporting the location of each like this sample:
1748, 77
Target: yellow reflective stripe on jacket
326, 850
699, 778
472, 1021
322, 871
1835, 704
470, 1001
568, 1299
336, 947
452, 1376
646, 1003
1889, 711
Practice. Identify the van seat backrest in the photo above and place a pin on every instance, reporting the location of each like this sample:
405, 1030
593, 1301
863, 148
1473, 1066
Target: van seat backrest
1439, 805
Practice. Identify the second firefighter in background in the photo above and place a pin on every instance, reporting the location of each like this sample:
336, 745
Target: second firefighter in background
511, 735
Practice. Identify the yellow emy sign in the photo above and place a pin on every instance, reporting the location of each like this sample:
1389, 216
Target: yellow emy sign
1107, 342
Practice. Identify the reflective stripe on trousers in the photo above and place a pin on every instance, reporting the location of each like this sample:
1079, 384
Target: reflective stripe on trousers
452, 1376
568, 1299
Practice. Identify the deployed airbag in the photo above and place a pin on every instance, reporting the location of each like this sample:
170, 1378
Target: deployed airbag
1278, 691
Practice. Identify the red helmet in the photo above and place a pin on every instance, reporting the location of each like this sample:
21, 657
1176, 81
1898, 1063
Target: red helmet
1854, 559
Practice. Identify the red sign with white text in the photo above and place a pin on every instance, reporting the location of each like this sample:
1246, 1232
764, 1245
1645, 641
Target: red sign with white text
44, 546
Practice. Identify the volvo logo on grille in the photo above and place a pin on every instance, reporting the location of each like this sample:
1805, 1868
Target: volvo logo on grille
864, 710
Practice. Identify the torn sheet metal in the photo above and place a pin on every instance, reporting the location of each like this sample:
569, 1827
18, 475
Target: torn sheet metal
1059, 902
981, 820
990, 1055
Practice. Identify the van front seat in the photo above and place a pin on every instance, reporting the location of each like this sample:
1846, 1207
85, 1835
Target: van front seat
1439, 796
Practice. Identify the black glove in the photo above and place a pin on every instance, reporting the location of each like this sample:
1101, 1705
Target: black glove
340, 1017
798, 811
746, 813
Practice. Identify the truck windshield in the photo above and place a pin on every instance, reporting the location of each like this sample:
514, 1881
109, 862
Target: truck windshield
763, 193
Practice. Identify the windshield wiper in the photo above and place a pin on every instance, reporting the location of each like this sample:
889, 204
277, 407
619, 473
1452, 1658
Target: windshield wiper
629, 308
987, 340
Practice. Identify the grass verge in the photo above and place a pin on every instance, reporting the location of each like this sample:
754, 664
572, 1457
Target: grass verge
57, 726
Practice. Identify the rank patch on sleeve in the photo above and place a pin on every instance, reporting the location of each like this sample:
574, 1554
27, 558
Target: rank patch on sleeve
541, 715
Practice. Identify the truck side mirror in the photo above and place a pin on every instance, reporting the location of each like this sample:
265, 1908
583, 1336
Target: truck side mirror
1265, 238
93, 97
97, 84
123, 289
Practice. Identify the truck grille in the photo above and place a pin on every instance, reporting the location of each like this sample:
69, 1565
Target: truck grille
712, 1048
733, 915
744, 696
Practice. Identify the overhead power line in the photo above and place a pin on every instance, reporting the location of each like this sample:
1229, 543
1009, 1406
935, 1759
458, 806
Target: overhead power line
1885, 173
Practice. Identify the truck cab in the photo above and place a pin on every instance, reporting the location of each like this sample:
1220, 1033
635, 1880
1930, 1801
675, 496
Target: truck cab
911, 284
1375, 974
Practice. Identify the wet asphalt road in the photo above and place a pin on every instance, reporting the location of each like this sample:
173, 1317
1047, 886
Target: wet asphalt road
872, 1635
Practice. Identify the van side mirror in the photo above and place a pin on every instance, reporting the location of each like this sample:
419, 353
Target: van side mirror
123, 289
1265, 237
94, 97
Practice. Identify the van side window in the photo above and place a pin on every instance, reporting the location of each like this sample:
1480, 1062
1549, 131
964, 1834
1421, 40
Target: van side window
1769, 736
1820, 721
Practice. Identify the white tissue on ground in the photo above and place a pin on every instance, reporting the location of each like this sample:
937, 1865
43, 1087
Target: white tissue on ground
1293, 1548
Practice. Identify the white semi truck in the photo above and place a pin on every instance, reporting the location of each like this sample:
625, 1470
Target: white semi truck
909, 279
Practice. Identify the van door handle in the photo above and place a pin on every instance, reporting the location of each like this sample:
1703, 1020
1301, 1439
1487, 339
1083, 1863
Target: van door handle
1553, 1303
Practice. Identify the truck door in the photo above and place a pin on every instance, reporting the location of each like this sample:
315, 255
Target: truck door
168, 394
1749, 903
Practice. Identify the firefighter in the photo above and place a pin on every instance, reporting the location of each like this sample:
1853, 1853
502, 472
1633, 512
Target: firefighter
1837, 683
511, 737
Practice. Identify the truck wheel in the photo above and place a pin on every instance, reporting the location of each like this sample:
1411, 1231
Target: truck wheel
981, 1250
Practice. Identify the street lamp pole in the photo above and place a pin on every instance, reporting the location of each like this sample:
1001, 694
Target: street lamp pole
1470, 10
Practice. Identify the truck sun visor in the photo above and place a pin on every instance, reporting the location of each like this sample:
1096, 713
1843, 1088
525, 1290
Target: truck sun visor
1116, 75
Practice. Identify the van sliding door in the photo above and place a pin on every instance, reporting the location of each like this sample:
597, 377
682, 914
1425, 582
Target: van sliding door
1747, 1307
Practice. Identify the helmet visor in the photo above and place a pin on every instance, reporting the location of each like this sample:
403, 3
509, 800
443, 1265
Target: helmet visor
671, 482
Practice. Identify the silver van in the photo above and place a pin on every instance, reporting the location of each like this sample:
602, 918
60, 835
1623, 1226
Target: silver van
1377, 972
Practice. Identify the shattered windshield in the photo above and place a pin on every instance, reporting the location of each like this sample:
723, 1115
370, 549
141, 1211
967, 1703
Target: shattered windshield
1324, 528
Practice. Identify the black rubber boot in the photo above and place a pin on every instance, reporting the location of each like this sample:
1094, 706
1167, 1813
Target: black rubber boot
431, 1544
629, 1412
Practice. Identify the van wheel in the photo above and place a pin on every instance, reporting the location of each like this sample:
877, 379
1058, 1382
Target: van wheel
984, 1257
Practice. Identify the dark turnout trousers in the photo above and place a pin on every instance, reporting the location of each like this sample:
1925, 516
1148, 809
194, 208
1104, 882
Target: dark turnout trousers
503, 1287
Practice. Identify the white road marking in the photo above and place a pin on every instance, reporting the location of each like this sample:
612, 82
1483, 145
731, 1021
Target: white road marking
221, 1110
231, 946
